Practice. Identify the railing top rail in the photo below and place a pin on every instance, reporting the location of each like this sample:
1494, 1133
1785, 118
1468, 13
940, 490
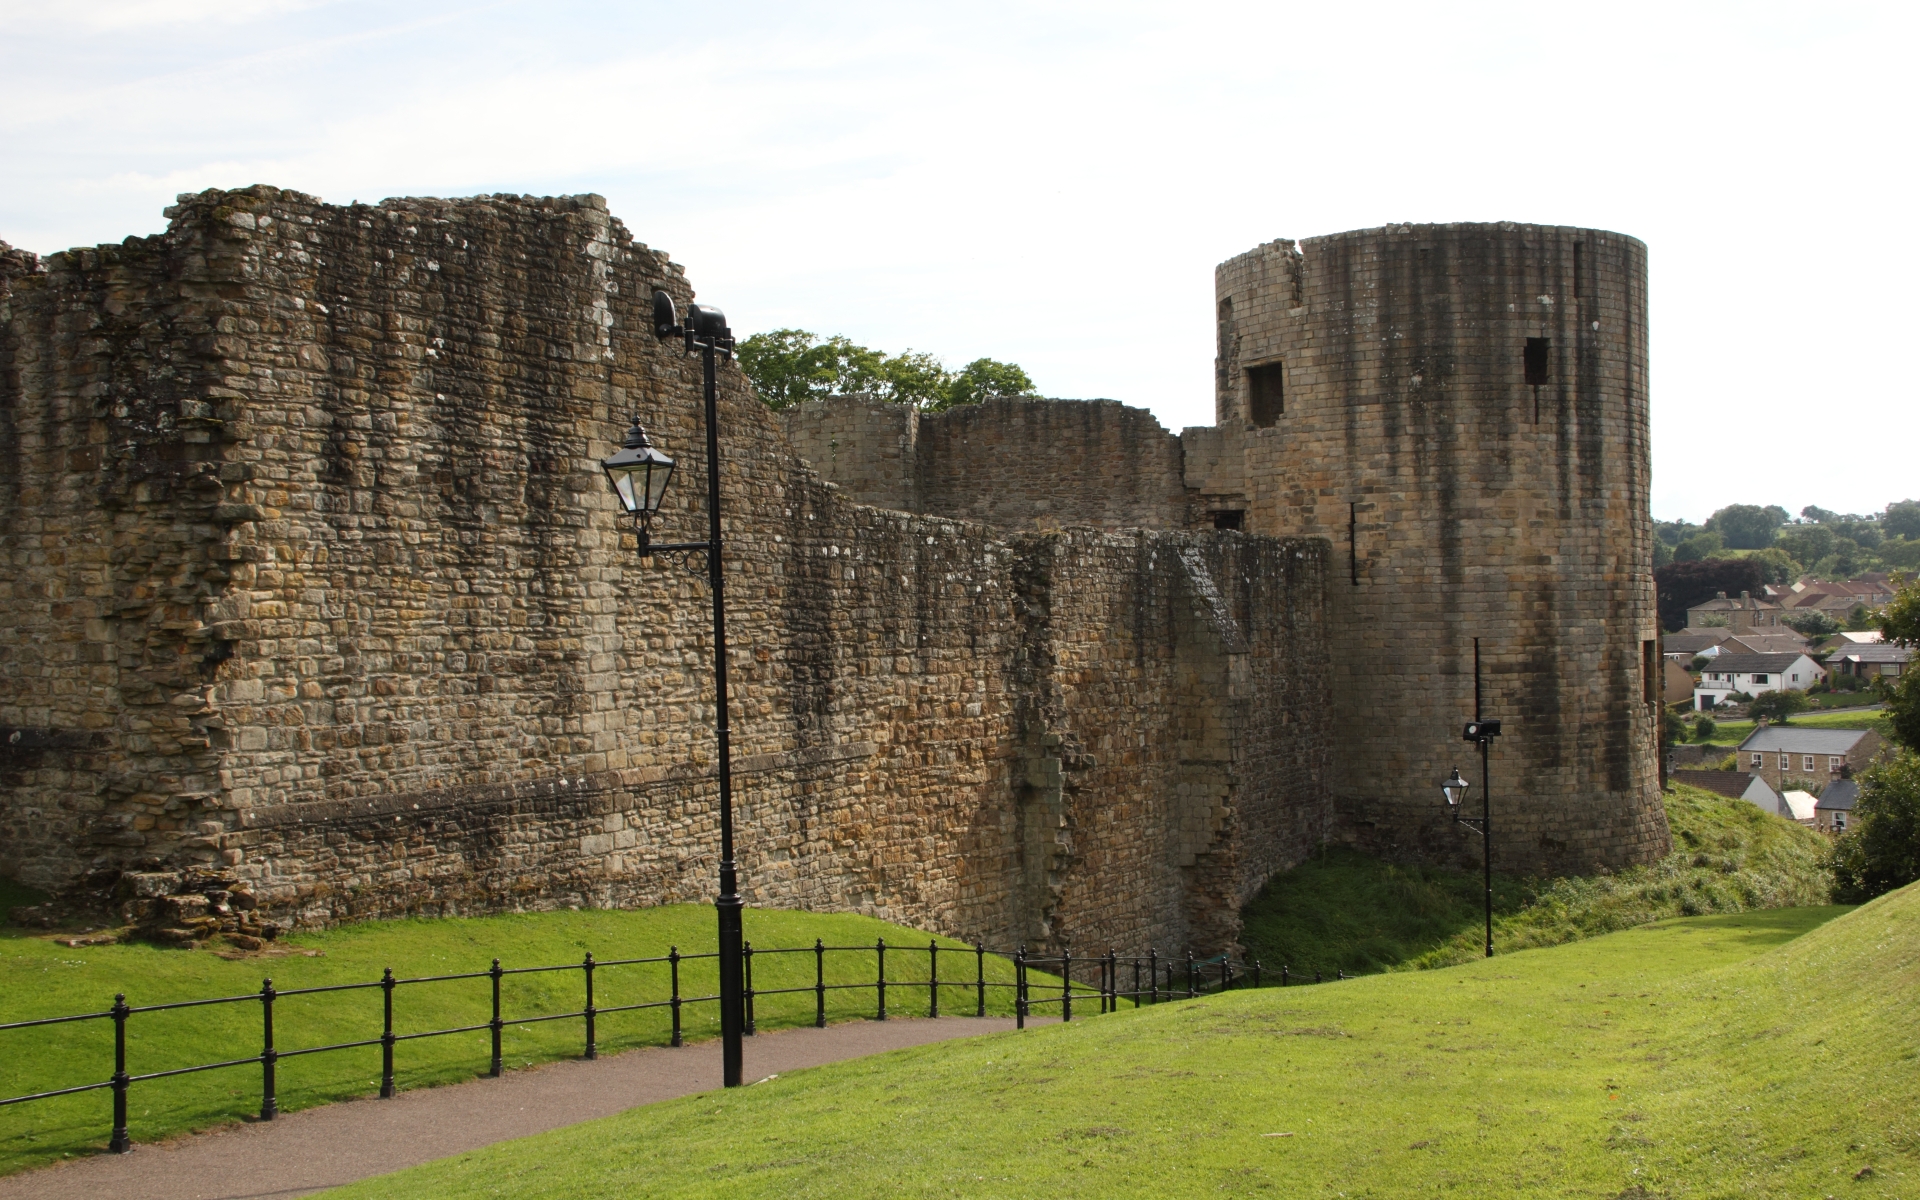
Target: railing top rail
444, 978
330, 987
249, 997
55, 1020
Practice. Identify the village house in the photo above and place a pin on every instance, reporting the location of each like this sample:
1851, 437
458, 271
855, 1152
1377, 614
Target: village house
1683, 647
1872, 661
1848, 639
1752, 674
1779, 753
1835, 809
1748, 612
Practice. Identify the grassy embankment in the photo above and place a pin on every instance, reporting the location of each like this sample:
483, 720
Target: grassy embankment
1732, 733
40, 978
1753, 1054
1345, 910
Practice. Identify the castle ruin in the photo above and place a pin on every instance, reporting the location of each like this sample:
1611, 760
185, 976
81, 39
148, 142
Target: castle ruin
308, 574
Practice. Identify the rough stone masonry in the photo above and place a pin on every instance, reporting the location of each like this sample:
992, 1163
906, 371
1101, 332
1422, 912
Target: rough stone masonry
309, 580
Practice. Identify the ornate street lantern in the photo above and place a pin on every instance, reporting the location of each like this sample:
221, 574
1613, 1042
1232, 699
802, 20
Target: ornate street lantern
639, 474
1455, 790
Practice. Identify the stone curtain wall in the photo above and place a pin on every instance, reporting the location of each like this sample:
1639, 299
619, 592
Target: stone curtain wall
1019, 464
1409, 439
311, 574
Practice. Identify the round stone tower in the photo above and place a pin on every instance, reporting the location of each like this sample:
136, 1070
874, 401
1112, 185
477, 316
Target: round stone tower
1461, 410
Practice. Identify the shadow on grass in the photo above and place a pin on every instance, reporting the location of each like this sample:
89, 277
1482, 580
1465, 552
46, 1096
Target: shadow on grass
1342, 910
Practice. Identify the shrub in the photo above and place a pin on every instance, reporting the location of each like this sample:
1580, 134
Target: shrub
1704, 728
1778, 706
1882, 850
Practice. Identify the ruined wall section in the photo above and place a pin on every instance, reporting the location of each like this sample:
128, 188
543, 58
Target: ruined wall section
115, 539
1015, 463
1463, 499
378, 642
1184, 693
866, 446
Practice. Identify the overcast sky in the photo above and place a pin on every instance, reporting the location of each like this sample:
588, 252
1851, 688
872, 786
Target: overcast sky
1052, 184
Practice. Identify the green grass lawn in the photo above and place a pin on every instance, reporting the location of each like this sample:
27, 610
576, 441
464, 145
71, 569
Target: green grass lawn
1344, 910
42, 978
1732, 733
1756, 1054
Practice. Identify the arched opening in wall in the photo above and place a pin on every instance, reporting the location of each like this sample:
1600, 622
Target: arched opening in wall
1266, 393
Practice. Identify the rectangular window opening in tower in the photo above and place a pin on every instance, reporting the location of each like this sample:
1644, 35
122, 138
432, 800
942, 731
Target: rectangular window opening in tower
1539, 358
1230, 518
1650, 671
1266, 393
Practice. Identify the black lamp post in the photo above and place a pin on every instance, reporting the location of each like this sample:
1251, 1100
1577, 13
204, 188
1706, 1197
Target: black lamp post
1482, 732
639, 474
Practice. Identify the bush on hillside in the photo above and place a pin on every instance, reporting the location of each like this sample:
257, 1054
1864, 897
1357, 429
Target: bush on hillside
1882, 850
1704, 728
1778, 706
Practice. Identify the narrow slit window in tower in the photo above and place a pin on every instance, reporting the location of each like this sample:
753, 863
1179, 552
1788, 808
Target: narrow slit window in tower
1650, 671
1353, 542
1266, 393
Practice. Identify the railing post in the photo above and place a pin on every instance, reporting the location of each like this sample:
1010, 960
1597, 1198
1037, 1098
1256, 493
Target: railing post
1066, 983
1226, 973
746, 985
673, 967
1284, 981
1256, 973
269, 1102
593, 1048
980, 978
120, 1143
1339, 973
1113, 981
1316, 974
496, 1024
933, 979
386, 1034
1193, 977
1153, 973
1020, 988
819, 984
880, 976
1135, 993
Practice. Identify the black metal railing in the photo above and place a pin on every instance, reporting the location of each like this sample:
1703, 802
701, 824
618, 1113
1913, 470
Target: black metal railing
1038, 982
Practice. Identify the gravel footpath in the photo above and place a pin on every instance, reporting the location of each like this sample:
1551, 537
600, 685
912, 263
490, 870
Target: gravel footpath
334, 1144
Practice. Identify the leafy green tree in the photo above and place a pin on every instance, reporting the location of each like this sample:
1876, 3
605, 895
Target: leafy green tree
1902, 519
1807, 543
1704, 728
1674, 728
1812, 624
1776, 565
1778, 706
985, 379
1881, 851
1900, 623
1747, 526
789, 366
1700, 546
1662, 554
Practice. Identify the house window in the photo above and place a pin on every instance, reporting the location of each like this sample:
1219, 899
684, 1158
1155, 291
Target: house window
1759, 679
1786, 761
1833, 764
1756, 762
1839, 821
1806, 763
1796, 677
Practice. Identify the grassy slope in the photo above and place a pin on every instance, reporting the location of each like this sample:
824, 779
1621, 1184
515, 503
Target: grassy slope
1716, 1056
1345, 910
40, 978
1732, 733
